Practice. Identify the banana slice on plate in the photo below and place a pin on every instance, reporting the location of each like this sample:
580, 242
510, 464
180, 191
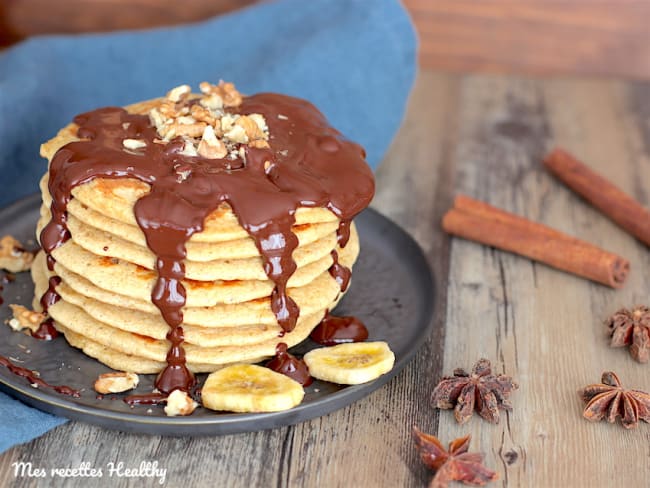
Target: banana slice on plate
250, 388
350, 364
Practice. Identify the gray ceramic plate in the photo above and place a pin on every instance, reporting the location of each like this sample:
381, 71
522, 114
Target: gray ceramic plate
392, 293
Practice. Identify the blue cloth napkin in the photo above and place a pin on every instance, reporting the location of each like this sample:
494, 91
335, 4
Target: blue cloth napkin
354, 59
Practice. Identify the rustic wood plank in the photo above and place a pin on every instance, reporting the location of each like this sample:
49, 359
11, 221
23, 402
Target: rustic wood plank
602, 37
365, 444
27, 18
540, 325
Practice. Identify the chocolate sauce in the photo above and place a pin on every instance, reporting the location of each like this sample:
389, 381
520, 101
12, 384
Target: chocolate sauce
338, 330
146, 399
340, 273
33, 378
50, 262
309, 164
343, 233
46, 331
50, 297
289, 365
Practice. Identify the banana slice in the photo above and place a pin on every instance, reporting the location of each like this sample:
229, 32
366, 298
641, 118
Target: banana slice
350, 364
250, 388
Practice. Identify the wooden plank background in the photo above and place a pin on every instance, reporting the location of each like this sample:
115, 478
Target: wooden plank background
597, 37
541, 326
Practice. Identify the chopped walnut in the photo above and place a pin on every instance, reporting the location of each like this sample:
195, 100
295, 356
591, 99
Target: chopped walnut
157, 119
13, 257
212, 101
25, 318
227, 91
227, 122
254, 126
210, 147
236, 134
168, 110
202, 114
207, 130
179, 93
185, 129
179, 403
134, 144
116, 382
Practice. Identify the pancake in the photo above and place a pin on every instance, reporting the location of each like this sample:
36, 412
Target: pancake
198, 249
315, 296
136, 281
78, 321
102, 243
245, 207
125, 362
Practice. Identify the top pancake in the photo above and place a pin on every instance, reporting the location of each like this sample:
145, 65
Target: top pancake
115, 198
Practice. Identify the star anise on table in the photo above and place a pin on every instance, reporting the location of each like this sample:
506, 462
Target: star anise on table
632, 328
608, 400
455, 464
479, 390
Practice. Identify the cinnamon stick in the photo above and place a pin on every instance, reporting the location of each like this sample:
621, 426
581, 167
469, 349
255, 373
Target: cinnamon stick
601, 193
483, 223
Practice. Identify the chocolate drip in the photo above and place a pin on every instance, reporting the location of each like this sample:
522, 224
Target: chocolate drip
175, 375
339, 272
50, 297
46, 331
289, 365
33, 378
338, 330
343, 233
146, 399
309, 164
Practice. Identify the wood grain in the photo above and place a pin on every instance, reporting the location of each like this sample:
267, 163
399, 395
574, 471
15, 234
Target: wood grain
485, 136
602, 37
25, 18
542, 326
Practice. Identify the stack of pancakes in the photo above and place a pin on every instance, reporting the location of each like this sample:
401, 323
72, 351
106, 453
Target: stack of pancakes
107, 274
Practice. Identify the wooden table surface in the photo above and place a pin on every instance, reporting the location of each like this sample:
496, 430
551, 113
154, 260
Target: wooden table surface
484, 136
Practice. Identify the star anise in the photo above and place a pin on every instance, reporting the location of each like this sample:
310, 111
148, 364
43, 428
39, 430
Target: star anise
456, 464
632, 328
481, 391
608, 400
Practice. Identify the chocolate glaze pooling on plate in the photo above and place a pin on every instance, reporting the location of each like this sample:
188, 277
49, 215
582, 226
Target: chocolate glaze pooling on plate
338, 330
308, 164
289, 365
146, 399
34, 379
